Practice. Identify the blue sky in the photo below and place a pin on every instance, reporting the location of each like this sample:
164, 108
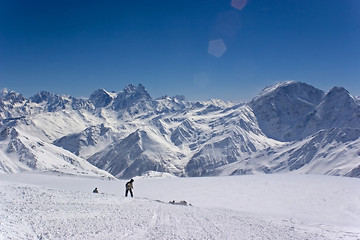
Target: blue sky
201, 49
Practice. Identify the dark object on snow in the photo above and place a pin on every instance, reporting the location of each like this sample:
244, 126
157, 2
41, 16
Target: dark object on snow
184, 203
129, 186
95, 190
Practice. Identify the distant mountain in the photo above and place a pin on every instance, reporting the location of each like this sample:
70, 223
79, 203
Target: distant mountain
328, 152
291, 111
290, 126
21, 151
87, 142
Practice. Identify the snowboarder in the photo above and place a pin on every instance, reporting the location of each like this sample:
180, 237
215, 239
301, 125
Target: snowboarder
95, 190
129, 187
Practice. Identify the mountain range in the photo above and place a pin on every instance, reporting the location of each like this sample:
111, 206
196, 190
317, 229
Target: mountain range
291, 126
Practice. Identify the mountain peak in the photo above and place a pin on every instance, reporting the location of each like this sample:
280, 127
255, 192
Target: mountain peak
279, 107
338, 98
100, 98
132, 88
11, 96
3, 92
130, 96
292, 88
338, 91
42, 96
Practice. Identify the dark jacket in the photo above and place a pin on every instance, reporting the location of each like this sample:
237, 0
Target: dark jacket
129, 185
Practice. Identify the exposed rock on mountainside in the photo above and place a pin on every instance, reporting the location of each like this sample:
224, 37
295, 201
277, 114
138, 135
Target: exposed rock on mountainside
290, 126
291, 111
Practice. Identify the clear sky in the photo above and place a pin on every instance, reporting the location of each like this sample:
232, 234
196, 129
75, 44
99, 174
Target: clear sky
201, 49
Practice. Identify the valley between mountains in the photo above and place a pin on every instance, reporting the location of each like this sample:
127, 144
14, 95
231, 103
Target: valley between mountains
288, 127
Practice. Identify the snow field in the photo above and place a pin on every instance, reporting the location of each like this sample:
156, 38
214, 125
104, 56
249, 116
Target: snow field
38, 206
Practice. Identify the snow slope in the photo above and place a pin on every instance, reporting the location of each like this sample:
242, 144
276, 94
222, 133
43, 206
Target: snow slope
128, 133
38, 206
27, 152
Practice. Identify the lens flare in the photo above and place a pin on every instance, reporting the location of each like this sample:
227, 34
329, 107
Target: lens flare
238, 4
227, 24
217, 48
201, 80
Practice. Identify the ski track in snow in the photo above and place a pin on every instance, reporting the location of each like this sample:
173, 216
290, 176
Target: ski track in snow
36, 212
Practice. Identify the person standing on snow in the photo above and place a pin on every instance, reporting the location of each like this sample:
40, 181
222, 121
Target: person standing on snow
129, 187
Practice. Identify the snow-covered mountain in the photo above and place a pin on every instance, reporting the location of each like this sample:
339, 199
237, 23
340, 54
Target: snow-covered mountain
290, 126
292, 111
21, 151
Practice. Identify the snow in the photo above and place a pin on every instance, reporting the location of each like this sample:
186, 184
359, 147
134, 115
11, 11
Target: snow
270, 89
274, 133
284, 206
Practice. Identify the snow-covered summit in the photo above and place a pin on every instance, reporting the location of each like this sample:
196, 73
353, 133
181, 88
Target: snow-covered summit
12, 97
270, 89
3, 92
131, 95
129, 133
282, 107
101, 98
339, 97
